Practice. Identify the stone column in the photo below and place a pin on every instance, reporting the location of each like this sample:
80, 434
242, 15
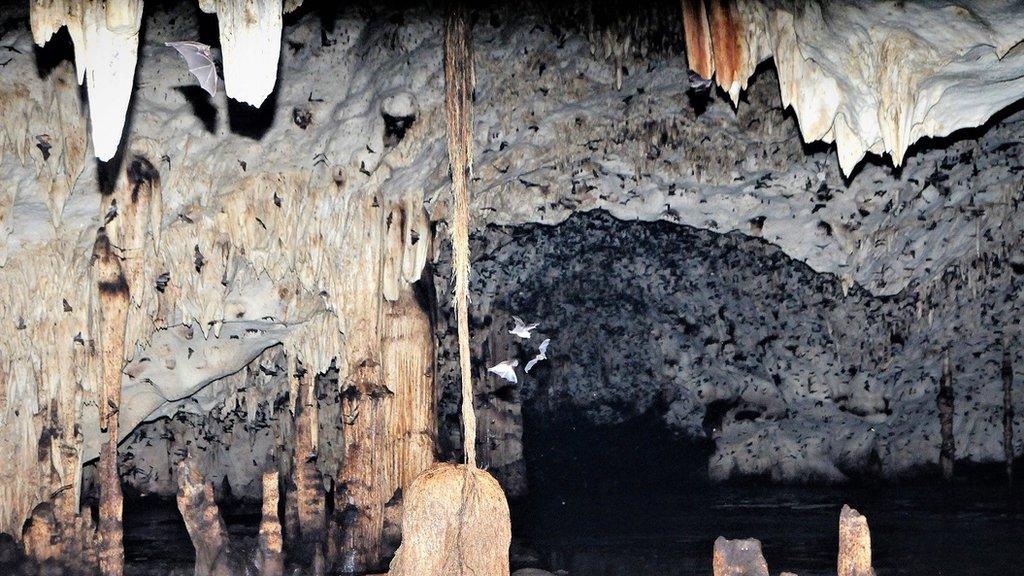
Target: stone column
945, 403
854, 544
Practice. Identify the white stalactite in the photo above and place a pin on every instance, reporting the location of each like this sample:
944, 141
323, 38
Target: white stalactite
250, 39
106, 39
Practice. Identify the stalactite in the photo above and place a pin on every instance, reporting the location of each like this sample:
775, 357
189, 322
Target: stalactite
906, 94
945, 402
854, 544
729, 43
699, 53
246, 29
106, 39
203, 521
407, 346
140, 207
1007, 374
458, 77
112, 297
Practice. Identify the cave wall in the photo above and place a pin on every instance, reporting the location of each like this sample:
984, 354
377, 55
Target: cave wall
727, 338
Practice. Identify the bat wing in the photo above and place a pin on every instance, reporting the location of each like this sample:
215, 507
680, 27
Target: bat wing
533, 362
200, 64
505, 371
544, 347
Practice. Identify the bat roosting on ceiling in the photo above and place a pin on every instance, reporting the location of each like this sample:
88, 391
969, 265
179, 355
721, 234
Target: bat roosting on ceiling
200, 64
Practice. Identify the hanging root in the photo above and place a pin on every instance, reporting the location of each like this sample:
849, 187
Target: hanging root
455, 520
458, 76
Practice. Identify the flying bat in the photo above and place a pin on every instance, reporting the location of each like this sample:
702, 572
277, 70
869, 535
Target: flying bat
506, 370
522, 329
200, 64
542, 354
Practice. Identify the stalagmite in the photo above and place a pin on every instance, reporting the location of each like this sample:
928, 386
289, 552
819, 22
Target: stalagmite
455, 518
854, 544
945, 402
270, 559
454, 524
407, 354
204, 523
106, 38
250, 38
1008, 451
360, 490
112, 300
309, 492
738, 558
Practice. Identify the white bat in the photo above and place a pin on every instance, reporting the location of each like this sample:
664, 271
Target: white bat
200, 63
506, 370
541, 355
522, 329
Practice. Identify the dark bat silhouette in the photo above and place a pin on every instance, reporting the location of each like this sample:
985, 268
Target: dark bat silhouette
200, 64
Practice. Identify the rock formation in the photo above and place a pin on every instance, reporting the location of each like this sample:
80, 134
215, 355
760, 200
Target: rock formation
739, 558
854, 544
204, 523
946, 405
1008, 452
270, 559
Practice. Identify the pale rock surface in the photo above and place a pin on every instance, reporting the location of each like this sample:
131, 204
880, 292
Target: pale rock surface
875, 77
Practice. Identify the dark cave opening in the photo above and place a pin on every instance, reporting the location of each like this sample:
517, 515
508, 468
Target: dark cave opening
156, 540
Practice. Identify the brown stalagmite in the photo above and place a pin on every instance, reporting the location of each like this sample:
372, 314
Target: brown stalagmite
456, 520
1008, 453
359, 498
738, 558
270, 560
113, 300
203, 521
854, 544
309, 492
945, 403
700, 56
362, 483
407, 363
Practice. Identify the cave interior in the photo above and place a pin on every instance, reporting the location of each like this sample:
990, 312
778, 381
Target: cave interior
511, 288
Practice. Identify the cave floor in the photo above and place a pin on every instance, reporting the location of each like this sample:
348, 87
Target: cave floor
919, 530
